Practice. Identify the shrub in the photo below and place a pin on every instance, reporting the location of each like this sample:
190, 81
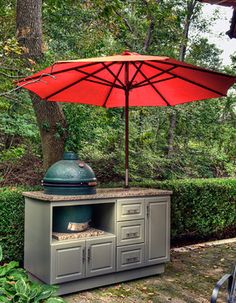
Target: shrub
200, 207
12, 223
15, 286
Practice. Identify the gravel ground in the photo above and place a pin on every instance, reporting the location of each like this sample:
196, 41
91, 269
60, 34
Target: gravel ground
189, 277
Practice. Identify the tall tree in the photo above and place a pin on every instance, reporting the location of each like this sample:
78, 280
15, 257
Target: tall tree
190, 6
49, 115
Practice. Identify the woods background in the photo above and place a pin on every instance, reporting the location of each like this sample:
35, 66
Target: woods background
188, 141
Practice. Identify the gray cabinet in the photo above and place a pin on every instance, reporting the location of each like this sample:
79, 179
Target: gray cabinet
157, 230
134, 242
100, 256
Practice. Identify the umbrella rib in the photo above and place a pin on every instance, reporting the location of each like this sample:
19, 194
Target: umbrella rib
110, 90
144, 82
99, 78
193, 68
105, 84
190, 81
111, 72
157, 81
75, 82
135, 74
56, 72
156, 90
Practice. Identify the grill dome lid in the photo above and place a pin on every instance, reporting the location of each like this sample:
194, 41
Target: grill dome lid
69, 174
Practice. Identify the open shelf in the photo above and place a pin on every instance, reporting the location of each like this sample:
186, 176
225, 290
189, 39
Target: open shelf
102, 222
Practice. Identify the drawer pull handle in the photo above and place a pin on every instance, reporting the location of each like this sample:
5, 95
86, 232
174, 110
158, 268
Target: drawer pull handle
132, 260
132, 235
89, 254
132, 211
84, 254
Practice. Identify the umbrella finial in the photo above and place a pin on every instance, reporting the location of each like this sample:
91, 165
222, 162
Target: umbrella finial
126, 52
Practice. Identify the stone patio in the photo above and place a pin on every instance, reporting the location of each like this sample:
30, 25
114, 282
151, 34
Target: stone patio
189, 278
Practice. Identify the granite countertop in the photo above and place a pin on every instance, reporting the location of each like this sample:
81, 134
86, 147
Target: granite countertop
102, 193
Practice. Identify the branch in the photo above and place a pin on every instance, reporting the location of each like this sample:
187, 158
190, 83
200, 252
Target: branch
9, 76
190, 10
9, 68
149, 35
151, 25
125, 21
129, 46
29, 82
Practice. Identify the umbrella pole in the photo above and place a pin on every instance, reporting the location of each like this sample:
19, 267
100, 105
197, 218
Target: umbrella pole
126, 125
127, 139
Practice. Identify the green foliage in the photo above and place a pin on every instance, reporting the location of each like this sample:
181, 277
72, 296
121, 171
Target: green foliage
200, 207
199, 52
12, 223
203, 147
16, 287
204, 135
12, 154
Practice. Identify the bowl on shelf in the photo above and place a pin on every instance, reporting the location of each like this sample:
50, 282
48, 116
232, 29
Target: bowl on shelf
77, 227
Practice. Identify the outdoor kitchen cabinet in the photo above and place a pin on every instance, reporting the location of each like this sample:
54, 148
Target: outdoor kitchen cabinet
134, 243
83, 258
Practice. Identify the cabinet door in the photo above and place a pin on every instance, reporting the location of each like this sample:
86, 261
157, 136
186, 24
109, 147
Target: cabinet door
68, 261
100, 256
157, 230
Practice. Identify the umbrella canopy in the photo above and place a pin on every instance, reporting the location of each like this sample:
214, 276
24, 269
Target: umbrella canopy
127, 80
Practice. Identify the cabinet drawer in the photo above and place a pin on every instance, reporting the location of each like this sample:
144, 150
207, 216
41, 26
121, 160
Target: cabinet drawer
130, 232
130, 209
130, 256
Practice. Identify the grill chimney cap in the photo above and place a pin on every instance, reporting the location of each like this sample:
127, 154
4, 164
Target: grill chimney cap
70, 156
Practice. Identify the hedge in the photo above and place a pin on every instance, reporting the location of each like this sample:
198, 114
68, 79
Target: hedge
12, 223
199, 208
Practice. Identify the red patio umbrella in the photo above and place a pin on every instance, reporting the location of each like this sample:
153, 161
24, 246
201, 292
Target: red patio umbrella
127, 80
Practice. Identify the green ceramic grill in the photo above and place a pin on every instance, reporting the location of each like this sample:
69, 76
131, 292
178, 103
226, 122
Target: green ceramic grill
69, 176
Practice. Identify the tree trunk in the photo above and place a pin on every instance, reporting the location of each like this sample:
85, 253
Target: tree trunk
50, 118
190, 9
182, 53
29, 27
171, 133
